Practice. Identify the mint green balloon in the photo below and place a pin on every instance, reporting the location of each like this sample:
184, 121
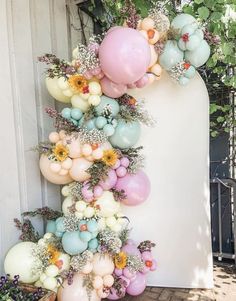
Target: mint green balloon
198, 56
171, 55
190, 72
193, 43
105, 101
189, 28
51, 226
181, 20
72, 244
126, 134
183, 81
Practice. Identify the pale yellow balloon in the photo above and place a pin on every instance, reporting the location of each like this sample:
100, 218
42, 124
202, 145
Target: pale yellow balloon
65, 191
94, 100
108, 280
67, 203
68, 92
156, 69
20, 261
63, 83
78, 170
102, 264
108, 205
65, 259
55, 178
50, 283
55, 91
154, 56
147, 24
80, 103
97, 282
94, 88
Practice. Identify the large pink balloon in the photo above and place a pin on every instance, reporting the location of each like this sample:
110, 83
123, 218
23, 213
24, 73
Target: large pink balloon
76, 291
55, 178
136, 187
124, 55
78, 170
137, 286
112, 89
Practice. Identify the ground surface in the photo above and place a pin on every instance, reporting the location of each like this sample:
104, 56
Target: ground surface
224, 290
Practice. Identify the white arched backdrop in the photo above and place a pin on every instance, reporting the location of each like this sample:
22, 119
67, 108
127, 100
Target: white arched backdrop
177, 213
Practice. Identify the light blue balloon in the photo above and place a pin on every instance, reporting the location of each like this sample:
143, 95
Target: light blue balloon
109, 130
199, 33
100, 122
66, 113
93, 244
94, 234
181, 20
82, 223
81, 121
108, 101
190, 72
171, 55
182, 44
183, 81
114, 123
85, 236
90, 124
199, 56
59, 234
60, 225
193, 43
92, 226
72, 244
189, 28
76, 113
51, 227
126, 134
74, 121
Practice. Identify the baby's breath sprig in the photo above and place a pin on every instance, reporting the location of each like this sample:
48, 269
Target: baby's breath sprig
134, 263
109, 241
135, 157
119, 195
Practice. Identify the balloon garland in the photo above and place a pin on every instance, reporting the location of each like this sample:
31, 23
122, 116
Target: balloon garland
85, 253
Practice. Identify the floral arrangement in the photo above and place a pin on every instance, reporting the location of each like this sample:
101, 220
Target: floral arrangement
86, 252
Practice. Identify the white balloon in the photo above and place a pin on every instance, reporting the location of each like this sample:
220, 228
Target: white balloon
20, 261
80, 206
68, 202
80, 103
65, 190
108, 205
50, 283
65, 258
89, 212
55, 91
51, 271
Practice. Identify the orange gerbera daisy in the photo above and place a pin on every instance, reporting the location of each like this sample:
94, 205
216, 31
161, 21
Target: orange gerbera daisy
54, 254
120, 260
60, 152
110, 157
78, 83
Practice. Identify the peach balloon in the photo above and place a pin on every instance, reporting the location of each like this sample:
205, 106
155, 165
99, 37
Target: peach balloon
103, 264
87, 150
44, 164
97, 282
87, 268
78, 170
151, 78
102, 294
108, 280
74, 147
54, 137
63, 172
55, 167
154, 56
67, 164
147, 24
97, 153
62, 134
76, 291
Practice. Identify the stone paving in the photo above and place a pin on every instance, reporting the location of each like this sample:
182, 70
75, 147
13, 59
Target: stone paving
224, 289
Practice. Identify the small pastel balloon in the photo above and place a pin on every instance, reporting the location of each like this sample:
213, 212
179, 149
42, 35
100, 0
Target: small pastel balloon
131, 86
111, 221
100, 122
52, 271
102, 265
118, 272
124, 161
136, 187
183, 81
97, 154
102, 294
87, 193
121, 171
66, 113
97, 282
181, 20
137, 286
153, 36
93, 244
111, 89
200, 55
60, 224
108, 102
126, 134
98, 191
85, 236
94, 87
142, 82
78, 170
193, 43
128, 274
156, 69
171, 55
108, 130
94, 100
80, 103
55, 167
131, 249
54, 137
88, 75
74, 147
67, 164
67, 203
154, 265
116, 165
190, 72
55, 178
76, 113
92, 226
72, 244
51, 227
108, 205
151, 78
65, 191
87, 150
55, 91
76, 291
110, 181
50, 283
154, 56
62, 134
80, 206
147, 23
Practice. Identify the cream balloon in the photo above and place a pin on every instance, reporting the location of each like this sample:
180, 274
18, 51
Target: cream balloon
65, 191
102, 264
108, 280
80, 103
51, 271
108, 205
76, 291
20, 261
67, 203
55, 91
78, 170
50, 283
97, 282
154, 56
65, 262
55, 178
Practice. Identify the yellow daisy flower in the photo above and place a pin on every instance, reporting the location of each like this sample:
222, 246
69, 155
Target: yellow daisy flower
53, 253
120, 260
109, 157
78, 83
60, 152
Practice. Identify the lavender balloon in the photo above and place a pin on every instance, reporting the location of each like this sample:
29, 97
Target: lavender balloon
137, 286
124, 55
110, 180
136, 187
